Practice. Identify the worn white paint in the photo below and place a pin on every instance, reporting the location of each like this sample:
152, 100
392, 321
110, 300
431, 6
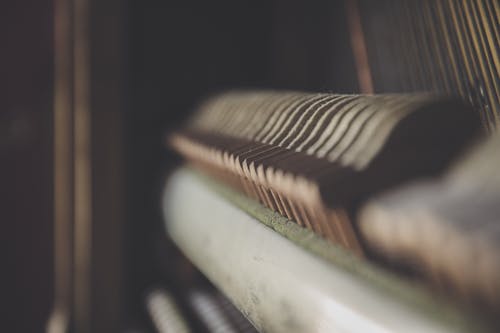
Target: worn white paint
276, 284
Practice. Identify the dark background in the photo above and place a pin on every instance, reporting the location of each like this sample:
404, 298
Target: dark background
175, 54
26, 71
181, 53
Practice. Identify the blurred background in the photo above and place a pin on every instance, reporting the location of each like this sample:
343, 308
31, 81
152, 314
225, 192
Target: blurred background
90, 88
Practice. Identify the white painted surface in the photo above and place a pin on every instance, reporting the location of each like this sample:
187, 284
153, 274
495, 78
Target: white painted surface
276, 284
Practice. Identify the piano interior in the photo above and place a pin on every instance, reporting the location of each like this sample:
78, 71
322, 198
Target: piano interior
251, 166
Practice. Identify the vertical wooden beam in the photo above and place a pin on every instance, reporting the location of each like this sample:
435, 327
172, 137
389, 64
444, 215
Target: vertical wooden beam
88, 148
82, 169
63, 167
359, 47
99, 162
